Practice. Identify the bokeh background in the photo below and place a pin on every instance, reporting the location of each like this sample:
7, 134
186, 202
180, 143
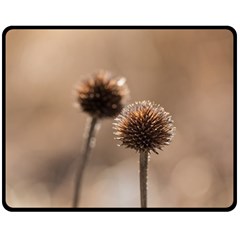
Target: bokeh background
189, 72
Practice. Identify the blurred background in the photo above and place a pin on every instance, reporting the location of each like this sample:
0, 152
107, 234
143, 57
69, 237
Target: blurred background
189, 72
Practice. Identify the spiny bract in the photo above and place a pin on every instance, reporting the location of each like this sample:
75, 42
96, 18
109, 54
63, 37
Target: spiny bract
144, 126
102, 95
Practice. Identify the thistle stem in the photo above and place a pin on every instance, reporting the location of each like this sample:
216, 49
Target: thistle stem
143, 177
88, 145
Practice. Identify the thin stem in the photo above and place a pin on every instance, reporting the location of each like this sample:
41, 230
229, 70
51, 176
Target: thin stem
88, 145
143, 177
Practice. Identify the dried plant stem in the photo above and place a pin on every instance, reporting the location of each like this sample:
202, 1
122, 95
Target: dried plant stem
143, 177
88, 145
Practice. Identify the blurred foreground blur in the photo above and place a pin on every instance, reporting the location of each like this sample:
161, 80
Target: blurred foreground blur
189, 72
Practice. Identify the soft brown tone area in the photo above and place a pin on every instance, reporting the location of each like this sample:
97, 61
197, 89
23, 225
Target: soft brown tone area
189, 72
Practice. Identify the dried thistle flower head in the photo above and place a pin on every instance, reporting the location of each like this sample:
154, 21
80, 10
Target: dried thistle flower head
144, 126
102, 95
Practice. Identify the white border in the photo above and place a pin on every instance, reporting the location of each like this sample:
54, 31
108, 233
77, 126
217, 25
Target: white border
186, 225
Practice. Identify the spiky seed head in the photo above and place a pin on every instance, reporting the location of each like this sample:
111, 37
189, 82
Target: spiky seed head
102, 95
144, 126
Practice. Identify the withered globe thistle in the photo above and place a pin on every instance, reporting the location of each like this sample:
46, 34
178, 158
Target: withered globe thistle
144, 126
102, 95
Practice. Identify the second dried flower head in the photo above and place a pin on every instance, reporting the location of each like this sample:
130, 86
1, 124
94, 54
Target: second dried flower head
102, 95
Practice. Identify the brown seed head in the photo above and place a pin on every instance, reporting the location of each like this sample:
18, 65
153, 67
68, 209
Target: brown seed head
144, 126
102, 95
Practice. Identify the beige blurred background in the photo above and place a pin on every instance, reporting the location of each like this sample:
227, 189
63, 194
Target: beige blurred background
189, 72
